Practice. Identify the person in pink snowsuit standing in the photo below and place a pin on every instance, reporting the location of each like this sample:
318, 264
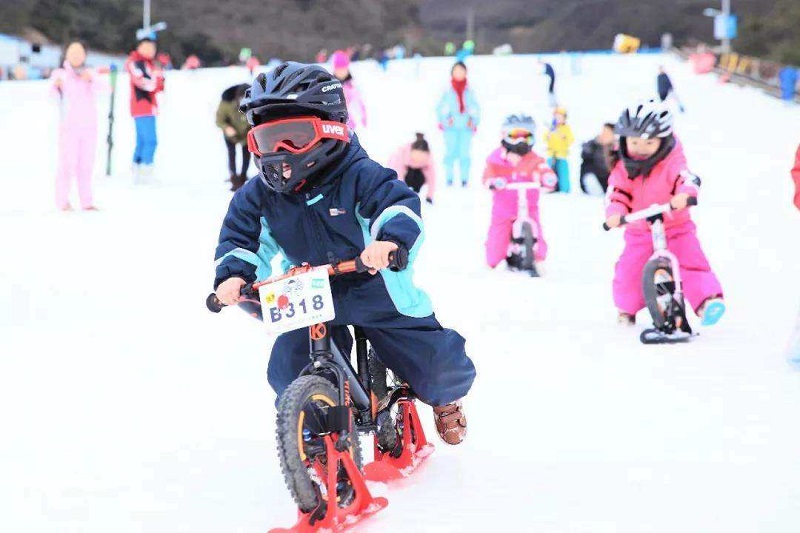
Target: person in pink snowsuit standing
76, 88
356, 111
653, 170
513, 162
414, 166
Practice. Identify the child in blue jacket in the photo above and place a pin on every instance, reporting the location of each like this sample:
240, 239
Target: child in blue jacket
320, 198
458, 114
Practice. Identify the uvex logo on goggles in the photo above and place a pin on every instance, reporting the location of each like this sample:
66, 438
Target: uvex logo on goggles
295, 135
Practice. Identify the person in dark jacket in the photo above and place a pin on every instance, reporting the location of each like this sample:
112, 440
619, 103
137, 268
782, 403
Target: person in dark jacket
665, 88
320, 198
599, 157
234, 128
551, 86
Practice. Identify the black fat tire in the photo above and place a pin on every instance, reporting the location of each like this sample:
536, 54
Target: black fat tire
294, 468
528, 241
653, 290
386, 433
377, 375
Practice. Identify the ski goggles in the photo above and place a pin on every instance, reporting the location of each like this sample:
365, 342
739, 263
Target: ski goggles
518, 135
295, 135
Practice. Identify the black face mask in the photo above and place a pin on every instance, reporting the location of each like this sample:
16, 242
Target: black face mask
519, 148
643, 167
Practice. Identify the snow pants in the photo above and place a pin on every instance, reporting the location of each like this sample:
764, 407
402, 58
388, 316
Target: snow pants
146, 140
76, 153
561, 168
458, 147
430, 358
231, 146
699, 282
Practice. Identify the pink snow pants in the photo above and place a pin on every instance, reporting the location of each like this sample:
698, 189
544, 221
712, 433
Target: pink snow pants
699, 282
76, 160
504, 212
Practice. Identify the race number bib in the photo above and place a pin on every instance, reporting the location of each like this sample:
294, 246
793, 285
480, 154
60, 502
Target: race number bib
297, 302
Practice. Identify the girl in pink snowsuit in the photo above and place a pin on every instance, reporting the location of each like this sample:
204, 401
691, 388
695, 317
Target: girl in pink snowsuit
657, 174
76, 88
356, 111
512, 163
414, 166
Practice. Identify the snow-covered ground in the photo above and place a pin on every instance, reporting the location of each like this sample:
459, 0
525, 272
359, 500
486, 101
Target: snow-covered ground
125, 406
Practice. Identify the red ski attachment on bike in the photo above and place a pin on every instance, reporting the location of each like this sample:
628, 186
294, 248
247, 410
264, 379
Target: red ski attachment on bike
337, 518
415, 448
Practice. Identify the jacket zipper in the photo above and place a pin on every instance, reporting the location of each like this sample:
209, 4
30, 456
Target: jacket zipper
315, 229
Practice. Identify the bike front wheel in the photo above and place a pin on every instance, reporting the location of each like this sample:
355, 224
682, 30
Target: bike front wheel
301, 426
658, 284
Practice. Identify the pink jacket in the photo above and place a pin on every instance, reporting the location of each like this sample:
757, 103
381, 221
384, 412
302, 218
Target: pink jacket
400, 162
78, 97
532, 168
669, 177
357, 113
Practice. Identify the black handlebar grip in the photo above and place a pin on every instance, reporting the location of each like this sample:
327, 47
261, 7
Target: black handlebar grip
692, 200
398, 260
360, 266
606, 226
213, 304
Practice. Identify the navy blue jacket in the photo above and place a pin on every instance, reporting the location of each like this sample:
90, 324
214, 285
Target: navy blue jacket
664, 85
358, 202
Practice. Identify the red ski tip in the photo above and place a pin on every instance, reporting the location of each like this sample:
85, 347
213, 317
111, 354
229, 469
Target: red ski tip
415, 448
303, 525
338, 518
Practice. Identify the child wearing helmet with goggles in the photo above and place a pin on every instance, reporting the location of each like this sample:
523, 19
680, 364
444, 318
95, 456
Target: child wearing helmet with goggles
515, 161
320, 199
653, 170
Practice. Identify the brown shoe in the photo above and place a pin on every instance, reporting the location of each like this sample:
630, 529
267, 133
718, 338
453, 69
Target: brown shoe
451, 422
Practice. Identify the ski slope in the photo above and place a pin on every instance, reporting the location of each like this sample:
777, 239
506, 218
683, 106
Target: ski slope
125, 406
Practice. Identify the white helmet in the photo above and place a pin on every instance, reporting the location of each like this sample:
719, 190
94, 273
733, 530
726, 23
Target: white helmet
647, 119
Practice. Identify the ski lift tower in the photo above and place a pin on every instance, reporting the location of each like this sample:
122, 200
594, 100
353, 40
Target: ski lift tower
724, 24
147, 29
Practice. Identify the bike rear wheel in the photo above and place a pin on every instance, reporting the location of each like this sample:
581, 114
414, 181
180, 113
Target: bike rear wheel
301, 425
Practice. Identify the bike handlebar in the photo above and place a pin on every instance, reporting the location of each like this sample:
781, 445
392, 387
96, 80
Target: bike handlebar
498, 184
398, 260
653, 210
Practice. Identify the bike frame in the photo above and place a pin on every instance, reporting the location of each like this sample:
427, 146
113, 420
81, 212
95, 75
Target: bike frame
354, 387
522, 188
326, 355
660, 250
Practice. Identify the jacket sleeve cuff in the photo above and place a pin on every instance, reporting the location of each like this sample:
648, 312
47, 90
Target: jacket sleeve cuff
616, 208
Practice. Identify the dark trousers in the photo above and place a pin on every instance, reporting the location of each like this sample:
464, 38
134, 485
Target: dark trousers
232, 157
415, 179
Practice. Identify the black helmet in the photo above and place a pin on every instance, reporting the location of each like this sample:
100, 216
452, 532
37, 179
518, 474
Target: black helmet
296, 90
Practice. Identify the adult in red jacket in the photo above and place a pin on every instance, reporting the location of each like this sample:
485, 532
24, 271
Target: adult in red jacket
796, 178
147, 80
